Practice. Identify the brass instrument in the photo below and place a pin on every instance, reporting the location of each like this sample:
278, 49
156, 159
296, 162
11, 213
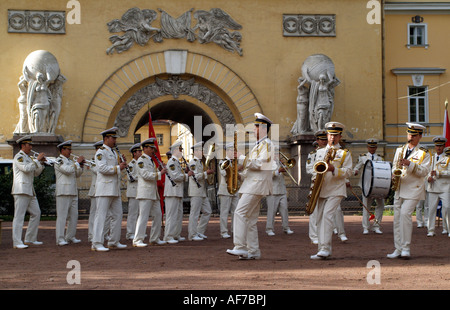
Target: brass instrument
320, 167
49, 161
397, 172
86, 162
288, 164
189, 169
122, 159
231, 169
211, 150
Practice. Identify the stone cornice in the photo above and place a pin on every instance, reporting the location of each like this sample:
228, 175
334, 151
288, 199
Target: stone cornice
417, 7
425, 71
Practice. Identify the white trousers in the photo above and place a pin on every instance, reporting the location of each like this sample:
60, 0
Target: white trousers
23, 204
198, 223
378, 212
422, 212
326, 211
313, 226
227, 207
132, 216
339, 221
92, 211
433, 201
108, 205
66, 212
174, 218
147, 208
403, 209
245, 231
277, 203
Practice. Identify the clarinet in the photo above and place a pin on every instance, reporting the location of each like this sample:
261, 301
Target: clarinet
193, 176
132, 179
167, 174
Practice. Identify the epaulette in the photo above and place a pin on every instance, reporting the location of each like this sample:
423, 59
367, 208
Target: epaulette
313, 151
102, 147
424, 149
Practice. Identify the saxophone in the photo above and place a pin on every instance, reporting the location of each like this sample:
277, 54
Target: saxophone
320, 168
208, 159
397, 172
231, 168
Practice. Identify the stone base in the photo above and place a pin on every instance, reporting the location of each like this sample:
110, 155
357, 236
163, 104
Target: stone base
42, 143
301, 146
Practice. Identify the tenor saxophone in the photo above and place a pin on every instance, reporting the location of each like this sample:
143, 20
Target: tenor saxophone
231, 169
320, 168
397, 172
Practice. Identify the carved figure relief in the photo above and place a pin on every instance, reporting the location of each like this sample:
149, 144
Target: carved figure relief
40, 98
213, 26
315, 104
174, 86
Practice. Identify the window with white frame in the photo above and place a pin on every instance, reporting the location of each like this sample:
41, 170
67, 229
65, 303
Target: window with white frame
417, 35
417, 104
160, 138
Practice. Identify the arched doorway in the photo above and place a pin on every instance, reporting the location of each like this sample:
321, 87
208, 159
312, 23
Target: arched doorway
174, 85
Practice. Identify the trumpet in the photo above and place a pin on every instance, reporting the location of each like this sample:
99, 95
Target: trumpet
86, 162
49, 161
288, 164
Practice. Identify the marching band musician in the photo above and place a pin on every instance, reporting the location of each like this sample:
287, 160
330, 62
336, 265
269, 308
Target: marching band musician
173, 196
438, 186
334, 187
67, 171
147, 195
415, 162
93, 206
199, 199
25, 168
321, 141
228, 202
257, 184
372, 145
277, 201
107, 191
132, 184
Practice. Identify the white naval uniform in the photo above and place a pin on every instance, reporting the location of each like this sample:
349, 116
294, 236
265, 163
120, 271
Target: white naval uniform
108, 197
228, 202
368, 201
409, 192
148, 199
199, 200
277, 201
25, 169
257, 183
439, 190
312, 231
333, 190
66, 171
133, 204
173, 196
93, 206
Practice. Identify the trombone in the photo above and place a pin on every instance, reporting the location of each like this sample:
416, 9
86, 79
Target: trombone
288, 164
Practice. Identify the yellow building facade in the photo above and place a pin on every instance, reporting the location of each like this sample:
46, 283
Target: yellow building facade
417, 81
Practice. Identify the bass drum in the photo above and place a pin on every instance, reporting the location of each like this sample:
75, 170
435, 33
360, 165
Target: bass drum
376, 179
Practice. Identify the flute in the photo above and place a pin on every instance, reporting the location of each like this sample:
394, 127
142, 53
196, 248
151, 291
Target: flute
161, 165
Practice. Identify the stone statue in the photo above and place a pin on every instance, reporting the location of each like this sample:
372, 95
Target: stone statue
302, 123
318, 71
40, 89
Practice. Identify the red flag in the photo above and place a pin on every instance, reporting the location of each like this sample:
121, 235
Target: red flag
160, 183
446, 132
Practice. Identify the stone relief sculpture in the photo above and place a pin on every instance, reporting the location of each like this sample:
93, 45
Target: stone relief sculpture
40, 98
318, 71
174, 86
136, 24
212, 27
